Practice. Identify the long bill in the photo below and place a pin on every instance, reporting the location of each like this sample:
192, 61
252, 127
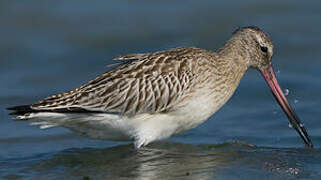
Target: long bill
271, 80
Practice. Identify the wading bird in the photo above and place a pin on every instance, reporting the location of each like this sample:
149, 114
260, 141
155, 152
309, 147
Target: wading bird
153, 96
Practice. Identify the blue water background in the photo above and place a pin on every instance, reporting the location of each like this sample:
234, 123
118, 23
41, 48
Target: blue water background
47, 47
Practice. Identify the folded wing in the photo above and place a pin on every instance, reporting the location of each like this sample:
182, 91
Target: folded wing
145, 83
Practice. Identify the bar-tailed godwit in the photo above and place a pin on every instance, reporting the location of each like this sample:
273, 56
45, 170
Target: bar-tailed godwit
153, 96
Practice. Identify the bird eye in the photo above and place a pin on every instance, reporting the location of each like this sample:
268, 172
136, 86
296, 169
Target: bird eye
264, 49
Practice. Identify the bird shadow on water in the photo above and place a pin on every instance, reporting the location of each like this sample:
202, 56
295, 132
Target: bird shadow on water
164, 160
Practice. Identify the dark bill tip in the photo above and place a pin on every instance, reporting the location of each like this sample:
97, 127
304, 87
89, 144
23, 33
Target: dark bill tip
271, 80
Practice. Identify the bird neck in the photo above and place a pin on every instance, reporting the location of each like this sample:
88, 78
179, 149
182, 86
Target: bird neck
236, 52
231, 63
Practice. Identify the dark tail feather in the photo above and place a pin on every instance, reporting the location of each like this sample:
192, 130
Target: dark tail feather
20, 110
24, 109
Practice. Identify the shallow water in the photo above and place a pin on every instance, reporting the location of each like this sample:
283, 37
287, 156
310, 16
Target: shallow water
47, 47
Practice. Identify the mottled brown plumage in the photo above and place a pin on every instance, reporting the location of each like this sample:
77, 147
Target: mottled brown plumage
155, 95
153, 82
148, 83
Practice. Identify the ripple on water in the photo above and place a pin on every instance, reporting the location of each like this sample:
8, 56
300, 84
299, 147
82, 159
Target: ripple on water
168, 161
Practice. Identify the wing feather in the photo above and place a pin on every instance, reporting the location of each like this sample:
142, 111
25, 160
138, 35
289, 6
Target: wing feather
149, 83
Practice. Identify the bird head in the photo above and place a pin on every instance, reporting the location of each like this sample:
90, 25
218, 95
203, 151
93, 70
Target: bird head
257, 50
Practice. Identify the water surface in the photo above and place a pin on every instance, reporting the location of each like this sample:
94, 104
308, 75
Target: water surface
47, 47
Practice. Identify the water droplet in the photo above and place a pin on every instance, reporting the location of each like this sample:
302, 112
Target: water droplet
290, 125
296, 101
278, 72
286, 92
301, 125
275, 111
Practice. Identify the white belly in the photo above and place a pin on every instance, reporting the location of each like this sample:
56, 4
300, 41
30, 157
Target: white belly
143, 128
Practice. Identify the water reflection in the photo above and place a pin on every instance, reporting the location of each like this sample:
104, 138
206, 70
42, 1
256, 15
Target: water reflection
159, 161
173, 161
